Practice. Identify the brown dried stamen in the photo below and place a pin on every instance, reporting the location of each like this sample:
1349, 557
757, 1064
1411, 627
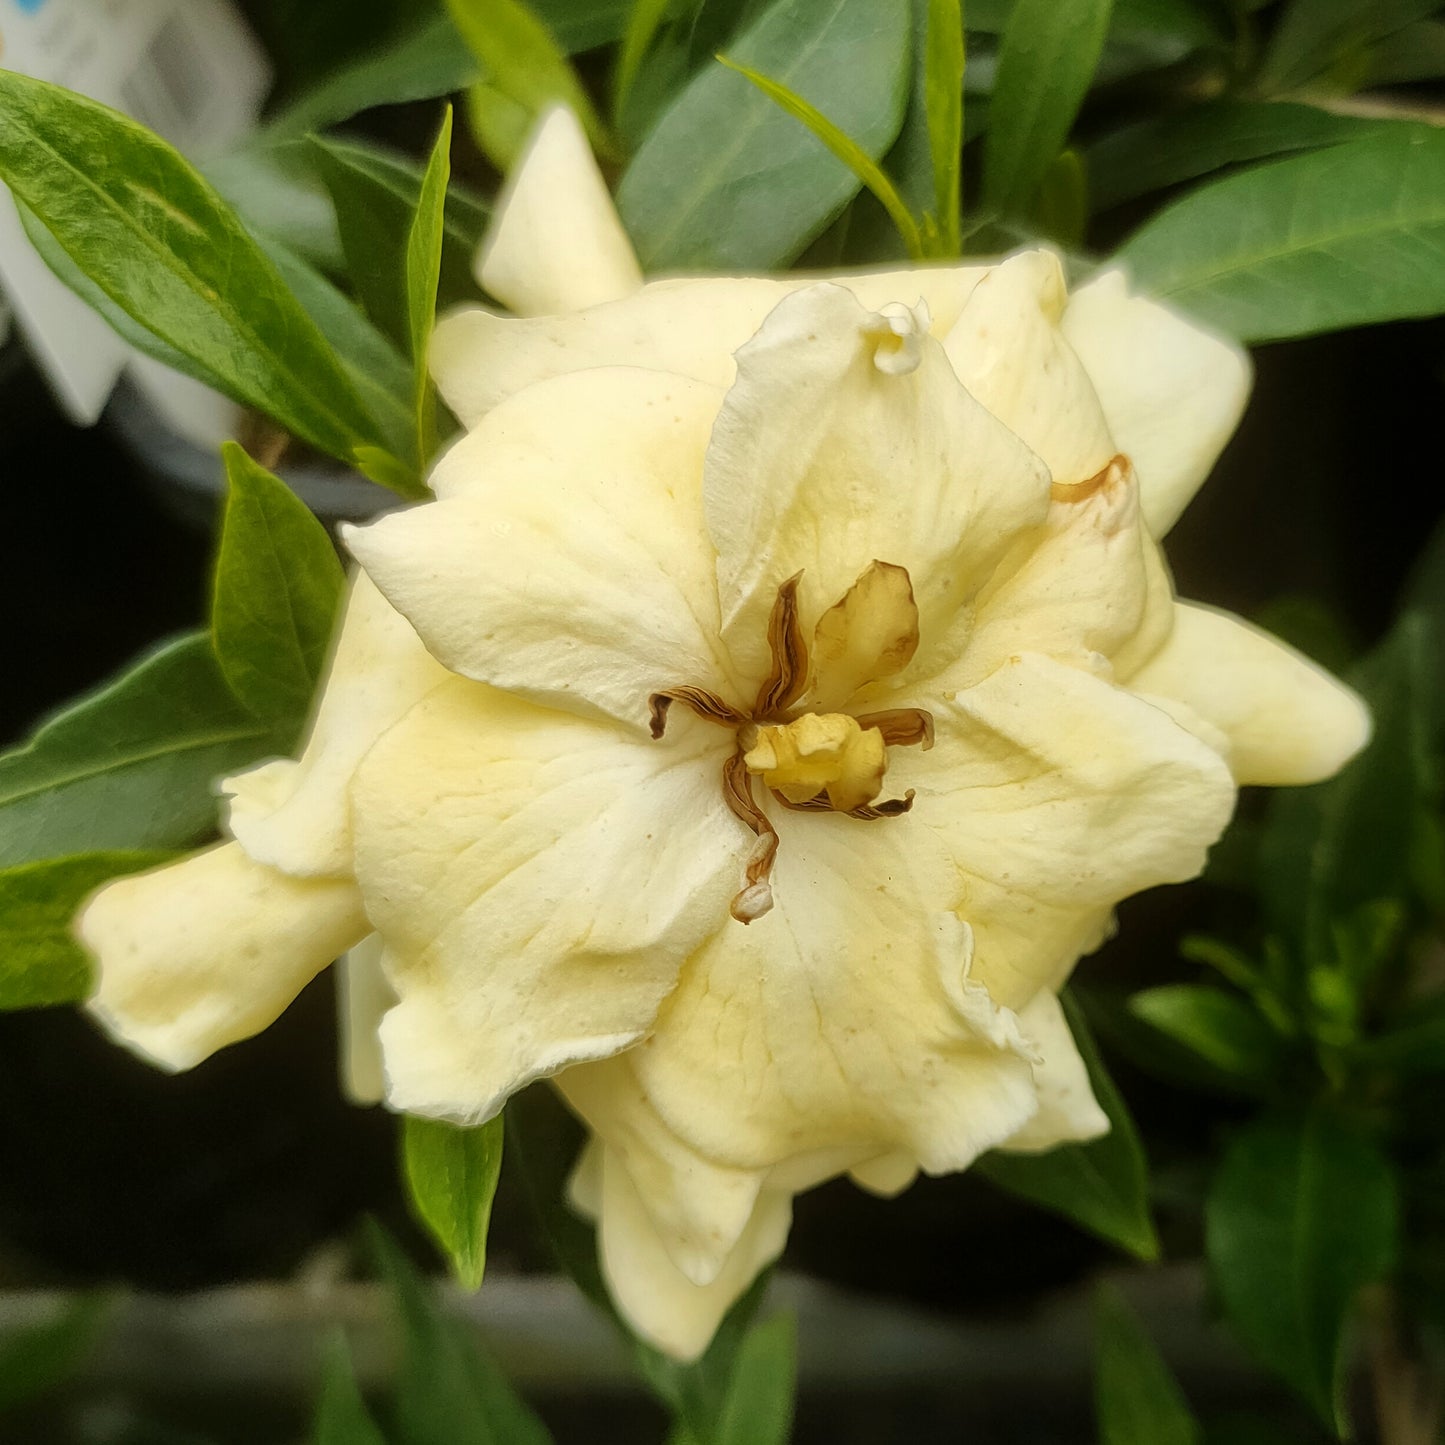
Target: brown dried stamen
756, 895
707, 705
820, 747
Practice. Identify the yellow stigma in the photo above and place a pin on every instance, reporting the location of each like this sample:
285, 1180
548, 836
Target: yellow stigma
820, 753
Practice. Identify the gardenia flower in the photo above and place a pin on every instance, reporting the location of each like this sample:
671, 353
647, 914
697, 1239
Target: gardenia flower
799, 688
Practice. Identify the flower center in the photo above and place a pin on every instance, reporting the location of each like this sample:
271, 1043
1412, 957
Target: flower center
811, 759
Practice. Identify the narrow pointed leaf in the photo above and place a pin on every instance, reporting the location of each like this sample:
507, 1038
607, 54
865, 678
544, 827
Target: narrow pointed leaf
847, 150
131, 765
451, 1175
276, 594
157, 239
943, 100
1222, 1029
1047, 58
341, 1414
1136, 1398
1302, 1214
643, 21
1345, 236
423, 277
758, 1409
1101, 1186
725, 180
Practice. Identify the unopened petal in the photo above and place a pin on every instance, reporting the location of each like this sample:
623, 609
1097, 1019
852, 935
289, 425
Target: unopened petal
557, 243
1172, 392
201, 953
539, 880
1287, 720
572, 567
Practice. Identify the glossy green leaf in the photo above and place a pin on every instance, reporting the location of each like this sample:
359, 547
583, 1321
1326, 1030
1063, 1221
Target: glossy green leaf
1047, 58
449, 1390
131, 765
1301, 1215
1223, 1029
37, 1359
40, 962
376, 192
845, 148
1316, 37
758, 1408
451, 1176
1102, 1186
943, 105
1137, 1401
726, 180
520, 58
423, 278
158, 240
276, 594
1166, 150
341, 1414
1331, 848
1345, 236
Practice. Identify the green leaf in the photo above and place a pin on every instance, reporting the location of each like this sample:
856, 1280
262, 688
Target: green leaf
1415, 1046
41, 964
1136, 1398
449, 1390
1345, 236
758, 1408
727, 181
423, 278
1101, 1186
376, 192
846, 149
943, 105
36, 1360
1329, 849
276, 594
1165, 150
131, 765
1317, 36
520, 59
157, 239
341, 1414
1301, 1215
643, 21
1047, 58
451, 1176
432, 61
1221, 1028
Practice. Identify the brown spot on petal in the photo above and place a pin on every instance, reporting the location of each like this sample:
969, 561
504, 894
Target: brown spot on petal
1117, 469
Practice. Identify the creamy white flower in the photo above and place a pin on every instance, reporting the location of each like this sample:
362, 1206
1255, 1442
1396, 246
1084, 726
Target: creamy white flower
802, 687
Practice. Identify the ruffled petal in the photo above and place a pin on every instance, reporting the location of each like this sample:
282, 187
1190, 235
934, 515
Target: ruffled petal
571, 565
1172, 392
1055, 795
557, 243
538, 880
201, 953
1076, 586
826, 457
688, 326
1009, 352
1287, 720
1068, 1112
663, 1306
699, 1208
843, 1019
296, 815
